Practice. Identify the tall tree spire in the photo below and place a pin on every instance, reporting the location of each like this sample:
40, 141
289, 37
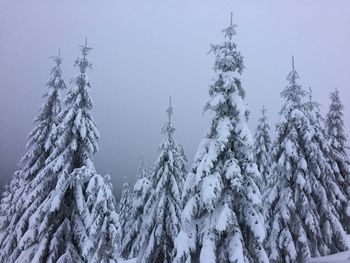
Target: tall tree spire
170, 110
168, 128
230, 30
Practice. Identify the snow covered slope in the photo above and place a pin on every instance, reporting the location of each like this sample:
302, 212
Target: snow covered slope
133, 260
343, 257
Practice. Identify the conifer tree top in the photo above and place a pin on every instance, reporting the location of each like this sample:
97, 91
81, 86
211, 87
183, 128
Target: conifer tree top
293, 93
263, 113
227, 58
169, 128
226, 91
41, 141
335, 123
141, 171
230, 31
83, 62
58, 60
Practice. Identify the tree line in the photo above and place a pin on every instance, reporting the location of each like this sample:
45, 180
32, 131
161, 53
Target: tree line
245, 199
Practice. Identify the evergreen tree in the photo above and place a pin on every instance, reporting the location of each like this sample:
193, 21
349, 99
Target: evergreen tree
338, 143
77, 136
27, 190
262, 147
335, 184
131, 243
302, 220
9, 207
5, 214
125, 210
104, 225
82, 198
161, 220
221, 221
55, 226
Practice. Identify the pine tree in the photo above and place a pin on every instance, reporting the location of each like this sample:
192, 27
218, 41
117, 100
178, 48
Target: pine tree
104, 225
55, 226
125, 210
43, 136
161, 220
334, 183
302, 220
9, 207
262, 147
77, 136
221, 221
339, 146
131, 243
27, 190
5, 212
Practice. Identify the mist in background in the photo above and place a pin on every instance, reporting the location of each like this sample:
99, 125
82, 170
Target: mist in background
144, 51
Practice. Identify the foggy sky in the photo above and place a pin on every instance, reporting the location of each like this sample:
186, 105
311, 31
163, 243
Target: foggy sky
144, 51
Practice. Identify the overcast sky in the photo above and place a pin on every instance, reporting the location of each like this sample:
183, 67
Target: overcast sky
145, 51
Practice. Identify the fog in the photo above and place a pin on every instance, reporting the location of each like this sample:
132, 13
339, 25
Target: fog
144, 51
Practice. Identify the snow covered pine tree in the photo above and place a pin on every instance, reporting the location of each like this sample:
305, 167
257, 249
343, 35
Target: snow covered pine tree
162, 212
130, 246
262, 147
75, 219
56, 224
104, 225
337, 187
338, 142
30, 186
302, 221
221, 221
125, 209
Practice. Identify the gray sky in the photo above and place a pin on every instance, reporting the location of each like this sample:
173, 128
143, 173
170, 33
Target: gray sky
145, 51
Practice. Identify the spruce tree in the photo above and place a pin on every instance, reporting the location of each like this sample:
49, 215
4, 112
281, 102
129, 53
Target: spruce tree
221, 221
130, 246
78, 134
339, 146
262, 147
302, 221
72, 160
104, 226
125, 210
83, 203
162, 211
333, 181
29, 187
57, 224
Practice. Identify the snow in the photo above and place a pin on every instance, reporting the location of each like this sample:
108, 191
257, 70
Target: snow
133, 260
342, 257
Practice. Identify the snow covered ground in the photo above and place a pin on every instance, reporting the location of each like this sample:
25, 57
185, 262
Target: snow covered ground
133, 260
343, 257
